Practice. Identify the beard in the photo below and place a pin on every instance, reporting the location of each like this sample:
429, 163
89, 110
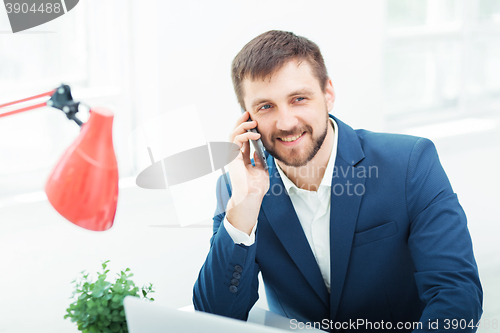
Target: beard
294, 157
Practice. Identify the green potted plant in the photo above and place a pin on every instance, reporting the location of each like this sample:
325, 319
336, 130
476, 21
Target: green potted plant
98, 306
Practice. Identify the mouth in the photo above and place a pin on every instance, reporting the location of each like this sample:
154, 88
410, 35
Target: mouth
291, 139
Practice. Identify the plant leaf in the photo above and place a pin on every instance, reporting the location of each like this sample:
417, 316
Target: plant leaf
114, 327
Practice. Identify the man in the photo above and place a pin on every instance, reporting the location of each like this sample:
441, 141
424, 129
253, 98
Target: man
352, 230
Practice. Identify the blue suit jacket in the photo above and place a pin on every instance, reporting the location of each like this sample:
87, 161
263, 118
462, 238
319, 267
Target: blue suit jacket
399, 245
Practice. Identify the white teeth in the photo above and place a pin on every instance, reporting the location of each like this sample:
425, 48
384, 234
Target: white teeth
291, 139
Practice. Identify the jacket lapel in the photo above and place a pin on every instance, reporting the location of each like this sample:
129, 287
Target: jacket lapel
281, 215
347, 191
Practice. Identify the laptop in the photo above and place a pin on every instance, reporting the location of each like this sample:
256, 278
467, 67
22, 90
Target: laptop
147, 317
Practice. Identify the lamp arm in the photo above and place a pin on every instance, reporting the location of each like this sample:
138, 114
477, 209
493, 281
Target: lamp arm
60, 98
28, 99
25, 100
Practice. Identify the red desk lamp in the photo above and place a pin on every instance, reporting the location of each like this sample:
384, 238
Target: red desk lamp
83, 186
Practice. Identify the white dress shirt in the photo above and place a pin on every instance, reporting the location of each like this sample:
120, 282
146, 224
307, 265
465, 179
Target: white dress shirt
313, 211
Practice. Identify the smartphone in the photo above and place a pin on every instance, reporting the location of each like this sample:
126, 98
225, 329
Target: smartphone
258, 146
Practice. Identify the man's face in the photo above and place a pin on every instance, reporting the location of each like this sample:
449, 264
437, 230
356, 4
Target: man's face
291, 111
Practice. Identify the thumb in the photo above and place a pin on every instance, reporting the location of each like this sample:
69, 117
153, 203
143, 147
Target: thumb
257, 161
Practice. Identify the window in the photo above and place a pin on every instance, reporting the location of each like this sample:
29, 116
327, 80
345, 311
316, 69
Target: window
441, 58
67, 50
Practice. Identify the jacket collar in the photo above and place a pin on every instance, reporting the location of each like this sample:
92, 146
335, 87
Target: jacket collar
349, 148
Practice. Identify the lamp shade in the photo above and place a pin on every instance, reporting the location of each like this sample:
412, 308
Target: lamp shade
83, 186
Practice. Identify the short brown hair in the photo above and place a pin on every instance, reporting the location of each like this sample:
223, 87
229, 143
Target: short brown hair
268, 52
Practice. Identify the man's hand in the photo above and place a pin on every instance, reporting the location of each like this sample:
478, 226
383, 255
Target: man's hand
250, 183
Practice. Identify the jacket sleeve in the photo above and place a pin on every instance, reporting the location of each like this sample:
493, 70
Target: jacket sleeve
446, 271
227, 284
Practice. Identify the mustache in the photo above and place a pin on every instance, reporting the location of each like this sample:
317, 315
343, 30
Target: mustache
293, 132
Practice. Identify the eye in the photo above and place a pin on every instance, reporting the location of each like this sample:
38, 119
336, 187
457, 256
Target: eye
298, 99
265, 107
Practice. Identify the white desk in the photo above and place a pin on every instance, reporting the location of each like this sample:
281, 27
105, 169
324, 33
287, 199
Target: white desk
267, 318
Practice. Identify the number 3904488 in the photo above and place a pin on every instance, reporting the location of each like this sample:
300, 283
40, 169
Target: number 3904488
34, 8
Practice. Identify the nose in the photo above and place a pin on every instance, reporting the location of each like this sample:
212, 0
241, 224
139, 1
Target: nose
286, 119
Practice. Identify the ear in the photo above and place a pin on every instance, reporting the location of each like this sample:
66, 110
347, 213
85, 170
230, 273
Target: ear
329, 95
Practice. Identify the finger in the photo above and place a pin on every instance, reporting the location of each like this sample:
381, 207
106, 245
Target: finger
246, 153
242, 128
244, 137
244, 117
258, 163
243, 142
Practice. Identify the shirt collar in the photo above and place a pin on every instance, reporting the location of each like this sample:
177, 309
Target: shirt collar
327, 177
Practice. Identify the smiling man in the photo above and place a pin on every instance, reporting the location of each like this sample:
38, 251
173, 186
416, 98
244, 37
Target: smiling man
351, 230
